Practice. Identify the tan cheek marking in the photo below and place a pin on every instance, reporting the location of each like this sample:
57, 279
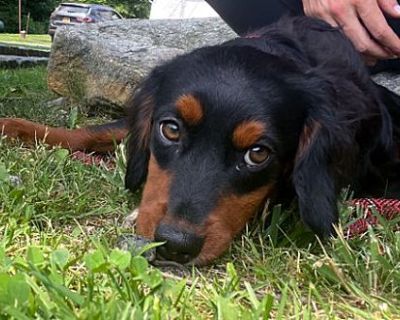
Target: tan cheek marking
190, 109
228, 219
153, 206
247, 134
307, 137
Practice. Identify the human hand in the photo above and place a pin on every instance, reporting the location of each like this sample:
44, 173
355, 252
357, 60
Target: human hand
363, 22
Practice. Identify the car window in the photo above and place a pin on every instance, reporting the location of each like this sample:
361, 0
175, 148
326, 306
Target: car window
71, 9
107, 15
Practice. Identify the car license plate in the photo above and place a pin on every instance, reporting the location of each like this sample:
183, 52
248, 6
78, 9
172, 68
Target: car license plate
66, 20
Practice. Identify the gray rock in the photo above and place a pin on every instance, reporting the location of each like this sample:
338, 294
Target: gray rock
15, 181
97, 63
59, 102
389, 80
136, 245
130, 220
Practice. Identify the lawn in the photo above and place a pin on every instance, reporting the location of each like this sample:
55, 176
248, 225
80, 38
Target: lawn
58, 259
39, 41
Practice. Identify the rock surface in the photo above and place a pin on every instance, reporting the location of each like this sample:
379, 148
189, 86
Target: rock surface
102, 63
389, 80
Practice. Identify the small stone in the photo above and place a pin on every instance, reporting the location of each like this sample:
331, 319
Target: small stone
15, 181
134, 244
130, 219
59, 102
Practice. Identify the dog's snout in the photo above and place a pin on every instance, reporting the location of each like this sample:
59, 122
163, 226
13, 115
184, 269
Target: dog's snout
180, 246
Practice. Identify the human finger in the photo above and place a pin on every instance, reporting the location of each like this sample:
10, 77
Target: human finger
375, 22
391, 7
347, 19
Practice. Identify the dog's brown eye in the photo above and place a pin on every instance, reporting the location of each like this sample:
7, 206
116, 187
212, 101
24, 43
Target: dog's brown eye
256, 156
170, 130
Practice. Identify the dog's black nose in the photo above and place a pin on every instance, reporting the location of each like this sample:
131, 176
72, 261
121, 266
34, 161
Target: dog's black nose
180, 246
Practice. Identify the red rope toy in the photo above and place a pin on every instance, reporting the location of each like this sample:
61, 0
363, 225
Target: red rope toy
387, 208
94, 159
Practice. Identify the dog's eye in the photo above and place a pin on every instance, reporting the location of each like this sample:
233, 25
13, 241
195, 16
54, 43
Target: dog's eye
170, 130
256, 156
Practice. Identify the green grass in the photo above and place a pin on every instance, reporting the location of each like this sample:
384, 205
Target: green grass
40, 41
24, 93
58, 260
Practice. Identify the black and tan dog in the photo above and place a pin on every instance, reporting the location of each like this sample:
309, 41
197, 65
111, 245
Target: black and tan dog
290, 109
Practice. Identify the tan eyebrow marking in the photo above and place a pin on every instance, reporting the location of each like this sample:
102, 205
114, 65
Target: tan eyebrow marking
247, 134
190, 109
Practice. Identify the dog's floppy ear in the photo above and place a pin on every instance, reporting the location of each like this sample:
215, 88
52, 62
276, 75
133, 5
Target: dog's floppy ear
344, 136
314, 179
141, 109
325, 157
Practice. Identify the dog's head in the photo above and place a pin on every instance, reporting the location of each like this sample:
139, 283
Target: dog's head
214, 132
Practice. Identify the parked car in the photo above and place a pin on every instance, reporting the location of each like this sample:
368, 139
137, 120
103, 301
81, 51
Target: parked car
77, 13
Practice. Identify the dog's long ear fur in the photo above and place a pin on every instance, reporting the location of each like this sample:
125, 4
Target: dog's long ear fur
347, 136
314, 180
326, 154
140, 117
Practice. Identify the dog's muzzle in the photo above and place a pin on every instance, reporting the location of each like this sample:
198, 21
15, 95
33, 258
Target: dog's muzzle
180, 246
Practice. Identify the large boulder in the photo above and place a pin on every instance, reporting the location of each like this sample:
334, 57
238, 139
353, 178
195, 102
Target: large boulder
102, 63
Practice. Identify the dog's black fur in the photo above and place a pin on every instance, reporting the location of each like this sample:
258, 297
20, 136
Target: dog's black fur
329, 125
